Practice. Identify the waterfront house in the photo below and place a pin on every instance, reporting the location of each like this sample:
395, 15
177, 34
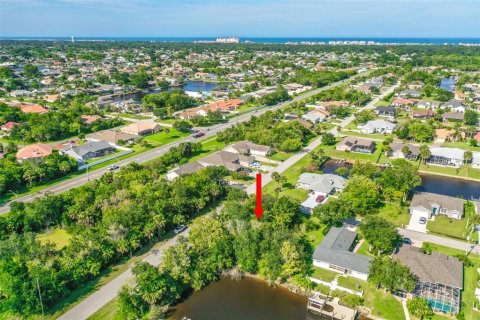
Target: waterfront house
386, 112
396, 151
378, 126
427, 205
354, 144
439, 277
441, 156
334, 253
249, 148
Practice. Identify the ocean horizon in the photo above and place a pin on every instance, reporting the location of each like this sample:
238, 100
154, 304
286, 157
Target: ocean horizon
278, 40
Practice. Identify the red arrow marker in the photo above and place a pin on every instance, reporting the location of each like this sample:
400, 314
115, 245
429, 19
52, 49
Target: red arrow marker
258, 209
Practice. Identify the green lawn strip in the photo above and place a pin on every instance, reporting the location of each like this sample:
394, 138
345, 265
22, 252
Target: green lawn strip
323, 274
363, 249
59, 237
396, 214
445, 226
382, 304
365, 135
162, 138
315, 236
107, 312
280, 156
131, 116
461, 145
351, 283
470, 278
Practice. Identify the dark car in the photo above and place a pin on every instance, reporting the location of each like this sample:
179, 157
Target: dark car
422, 220
198, 135
407, 241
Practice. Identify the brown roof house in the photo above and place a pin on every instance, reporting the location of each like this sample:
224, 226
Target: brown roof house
34, 152
396, 151
89, 119
354, 144
115, 138
428, 204
141, 128
439, 277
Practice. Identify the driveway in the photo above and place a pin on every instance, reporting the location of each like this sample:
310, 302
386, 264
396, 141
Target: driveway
415, 224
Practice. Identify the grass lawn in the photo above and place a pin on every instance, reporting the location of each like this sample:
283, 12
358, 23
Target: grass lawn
382, 304
461, 145
365, 135
332, 153
315, 236
324, 274
395, 214
465, 171
280, 156
59, 237
209, 145
162, 138
363, 250
454, 228
107, 312
470, 278
131, 116
351, 283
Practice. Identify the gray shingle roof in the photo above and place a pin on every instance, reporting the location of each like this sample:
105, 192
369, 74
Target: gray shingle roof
434, 268
334, 250
426, 199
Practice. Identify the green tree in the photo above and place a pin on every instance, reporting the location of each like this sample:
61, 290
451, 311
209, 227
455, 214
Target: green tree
424, 152
380, 234
328, 139
391, 275
419, 307
402, 176
361, 195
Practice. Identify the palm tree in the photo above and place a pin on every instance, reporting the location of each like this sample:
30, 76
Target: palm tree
468, 156
424, 152
406, 151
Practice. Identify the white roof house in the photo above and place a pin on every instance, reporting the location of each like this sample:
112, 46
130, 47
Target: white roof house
446, 156
378, 126
321, 183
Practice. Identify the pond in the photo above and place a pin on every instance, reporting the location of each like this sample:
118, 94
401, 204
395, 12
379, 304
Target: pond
239, 300
447, 83
194, 86
430, 183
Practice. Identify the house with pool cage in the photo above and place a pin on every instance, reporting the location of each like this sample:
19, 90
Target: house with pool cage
439, 277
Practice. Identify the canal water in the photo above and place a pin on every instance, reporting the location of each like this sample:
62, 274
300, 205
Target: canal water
241, 300
193, 86
447, 83
430, 183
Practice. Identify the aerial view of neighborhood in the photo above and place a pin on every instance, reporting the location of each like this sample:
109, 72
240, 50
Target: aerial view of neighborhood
227, 177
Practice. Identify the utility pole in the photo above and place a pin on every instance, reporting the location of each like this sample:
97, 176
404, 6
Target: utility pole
40, 296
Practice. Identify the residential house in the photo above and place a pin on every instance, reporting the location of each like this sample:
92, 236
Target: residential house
386, 112
88, 150
114, 138
422, 114
410, 93
319, 185
8, 126
443, 135
446, 156
141, 128
33, 108
427, 205
399, 102
334, 253
20, 93
354, 144
454, 106
316, 116
439, 277
428, 104
249, 148
453, 116
34, 152
89, 119
187, 168
396, 151
378, 126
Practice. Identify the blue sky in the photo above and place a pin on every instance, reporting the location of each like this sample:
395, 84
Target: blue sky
261, 18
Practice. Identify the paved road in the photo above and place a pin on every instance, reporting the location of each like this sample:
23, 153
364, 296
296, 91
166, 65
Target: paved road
157, 152
109, 291
283, 166
419, 237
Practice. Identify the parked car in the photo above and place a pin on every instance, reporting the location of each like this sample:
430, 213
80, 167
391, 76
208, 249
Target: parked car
422, 220
113, 167
407, 241
180, 229
320, 198
198, 134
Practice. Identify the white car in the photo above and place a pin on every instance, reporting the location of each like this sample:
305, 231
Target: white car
113, 167
179, 229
